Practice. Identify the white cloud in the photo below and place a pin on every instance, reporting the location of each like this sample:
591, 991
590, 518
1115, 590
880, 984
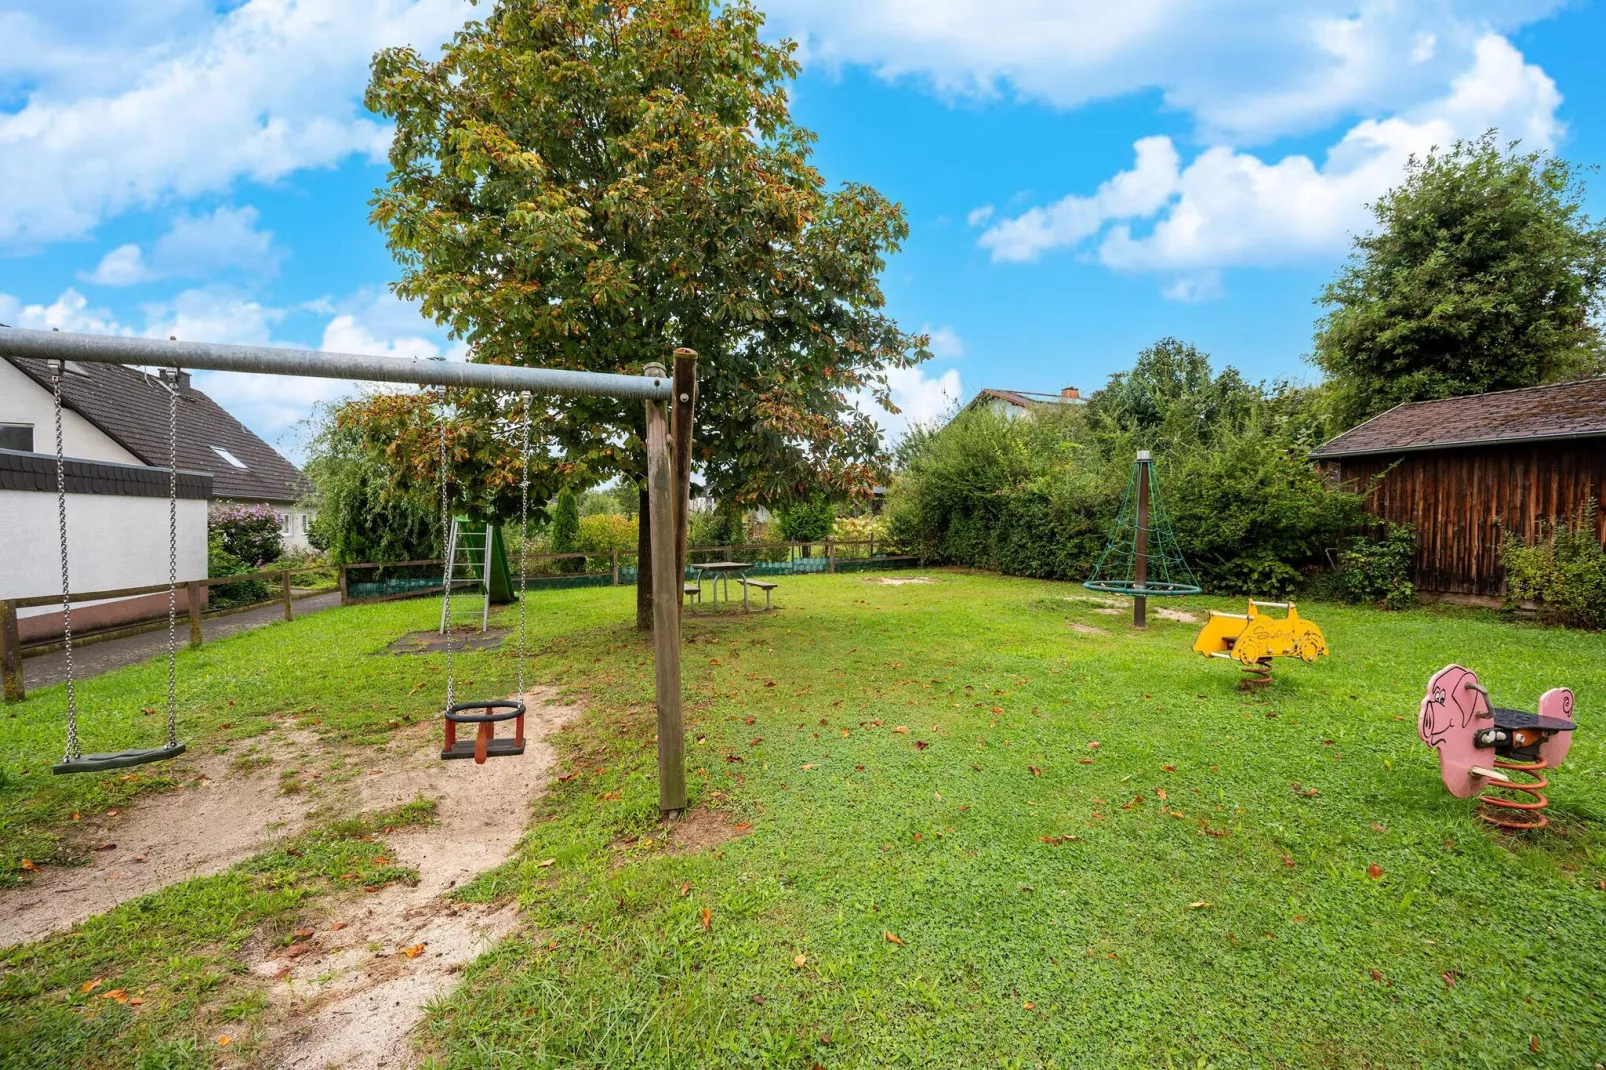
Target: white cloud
1229, 208
69, 312
123, 266
979, 216
201, 246
1243, 68
1196, 287
921, 399
1141, 191
945, 342
266, 89
195, 247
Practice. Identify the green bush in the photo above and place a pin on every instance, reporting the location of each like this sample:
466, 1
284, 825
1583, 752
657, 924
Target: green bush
565, 534
1037, 495
1377, 571
220, 562
806, 521
1564, 575
724, 525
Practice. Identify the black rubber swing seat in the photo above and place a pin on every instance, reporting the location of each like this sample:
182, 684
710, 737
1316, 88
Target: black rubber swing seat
123, 759
485, 744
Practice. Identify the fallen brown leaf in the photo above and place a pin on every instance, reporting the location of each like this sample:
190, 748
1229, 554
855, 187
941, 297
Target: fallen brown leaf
27, 864
708, 919
1035, 771
685, 889
1374, 871
90, 986
892, 938
800, 961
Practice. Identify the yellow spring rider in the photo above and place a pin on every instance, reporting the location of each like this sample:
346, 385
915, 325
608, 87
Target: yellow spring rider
1252, 639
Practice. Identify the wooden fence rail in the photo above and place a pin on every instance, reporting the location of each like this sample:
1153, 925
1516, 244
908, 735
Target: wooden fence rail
12, 651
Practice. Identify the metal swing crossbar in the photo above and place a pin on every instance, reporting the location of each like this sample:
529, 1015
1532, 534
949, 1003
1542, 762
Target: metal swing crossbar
657, 389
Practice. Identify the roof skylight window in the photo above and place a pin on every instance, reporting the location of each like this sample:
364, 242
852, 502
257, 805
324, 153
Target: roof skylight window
231, 458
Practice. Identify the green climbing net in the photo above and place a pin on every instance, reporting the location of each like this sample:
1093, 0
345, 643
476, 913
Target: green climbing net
1116, 571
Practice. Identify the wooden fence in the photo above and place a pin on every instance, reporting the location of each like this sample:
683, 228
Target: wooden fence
840, 555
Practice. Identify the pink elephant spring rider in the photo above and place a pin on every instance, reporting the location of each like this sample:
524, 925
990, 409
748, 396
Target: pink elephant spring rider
1481, 745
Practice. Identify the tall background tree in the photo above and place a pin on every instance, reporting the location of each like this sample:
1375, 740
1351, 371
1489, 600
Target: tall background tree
588, 185
1483, 273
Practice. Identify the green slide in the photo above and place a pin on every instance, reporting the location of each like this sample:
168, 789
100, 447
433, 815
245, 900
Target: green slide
501, 574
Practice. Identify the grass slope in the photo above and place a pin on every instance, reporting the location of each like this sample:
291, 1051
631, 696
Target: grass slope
1192, 891
1045, 916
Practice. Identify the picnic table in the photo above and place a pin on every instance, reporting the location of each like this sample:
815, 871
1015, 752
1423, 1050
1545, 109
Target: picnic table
723, 570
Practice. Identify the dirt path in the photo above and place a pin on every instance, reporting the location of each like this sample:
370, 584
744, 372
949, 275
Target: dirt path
214, 821
352, 994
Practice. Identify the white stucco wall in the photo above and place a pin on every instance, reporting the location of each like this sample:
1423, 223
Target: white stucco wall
113, 542
23, 401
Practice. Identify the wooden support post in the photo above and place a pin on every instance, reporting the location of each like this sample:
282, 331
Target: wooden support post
289, 604
11, 654
192, 594
614, 557
681, 425
345, 587
1140, 563
666, 585
830, 556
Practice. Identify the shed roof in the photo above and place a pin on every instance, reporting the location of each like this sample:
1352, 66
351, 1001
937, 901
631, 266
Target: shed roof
131, 407
1557, 411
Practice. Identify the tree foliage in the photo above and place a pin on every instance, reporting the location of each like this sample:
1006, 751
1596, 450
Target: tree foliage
1037, 496
1483, 273
376, 499
588, 185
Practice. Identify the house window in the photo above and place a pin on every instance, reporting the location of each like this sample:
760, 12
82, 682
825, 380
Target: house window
231, 458
306, 523
16, 437
284, 524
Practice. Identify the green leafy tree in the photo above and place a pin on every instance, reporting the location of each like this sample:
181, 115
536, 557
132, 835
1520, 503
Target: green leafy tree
587, 185
1483, 273
806, 521
566, 531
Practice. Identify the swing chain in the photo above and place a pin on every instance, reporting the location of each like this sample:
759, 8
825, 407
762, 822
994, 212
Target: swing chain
524, 528
170, 377
446, 552
58, 369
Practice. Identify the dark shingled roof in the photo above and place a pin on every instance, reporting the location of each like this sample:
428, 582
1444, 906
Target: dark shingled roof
1536, 413
37, 472
131, 407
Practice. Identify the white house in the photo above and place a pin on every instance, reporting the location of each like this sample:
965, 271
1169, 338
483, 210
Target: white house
1014, 403
115, 433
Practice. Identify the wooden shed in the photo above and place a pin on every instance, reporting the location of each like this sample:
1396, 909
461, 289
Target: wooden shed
1467, 471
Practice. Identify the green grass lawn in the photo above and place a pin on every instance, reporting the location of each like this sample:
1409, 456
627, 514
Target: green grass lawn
918, 761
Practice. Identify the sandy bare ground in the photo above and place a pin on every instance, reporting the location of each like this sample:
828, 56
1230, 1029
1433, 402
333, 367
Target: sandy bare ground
1086, 629
890, 581
352, 993
216, 820
1177, 614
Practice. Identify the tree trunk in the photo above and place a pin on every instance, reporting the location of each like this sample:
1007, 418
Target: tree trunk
643, 565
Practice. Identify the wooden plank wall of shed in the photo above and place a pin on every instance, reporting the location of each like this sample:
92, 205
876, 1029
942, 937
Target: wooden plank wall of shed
1463, 502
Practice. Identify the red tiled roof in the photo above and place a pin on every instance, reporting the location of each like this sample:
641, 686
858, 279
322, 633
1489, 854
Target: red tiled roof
1557, 411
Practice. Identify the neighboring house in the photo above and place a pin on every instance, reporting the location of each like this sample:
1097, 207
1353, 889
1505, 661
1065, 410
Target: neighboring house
115, 431
1468, 471
1013, 403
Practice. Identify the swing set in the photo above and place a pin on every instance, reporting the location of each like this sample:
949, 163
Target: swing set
668, 479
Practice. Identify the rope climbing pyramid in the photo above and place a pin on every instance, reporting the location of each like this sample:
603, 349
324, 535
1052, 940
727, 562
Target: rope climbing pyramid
1142, 558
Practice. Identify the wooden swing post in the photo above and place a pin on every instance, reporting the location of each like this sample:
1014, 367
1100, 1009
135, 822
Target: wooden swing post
666, 584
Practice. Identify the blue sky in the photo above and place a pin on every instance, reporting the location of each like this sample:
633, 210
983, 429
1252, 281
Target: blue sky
1080, 178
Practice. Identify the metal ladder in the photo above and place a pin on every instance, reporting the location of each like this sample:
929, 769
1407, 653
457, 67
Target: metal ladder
461, 550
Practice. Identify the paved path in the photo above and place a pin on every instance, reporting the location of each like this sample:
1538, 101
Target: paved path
96, 658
